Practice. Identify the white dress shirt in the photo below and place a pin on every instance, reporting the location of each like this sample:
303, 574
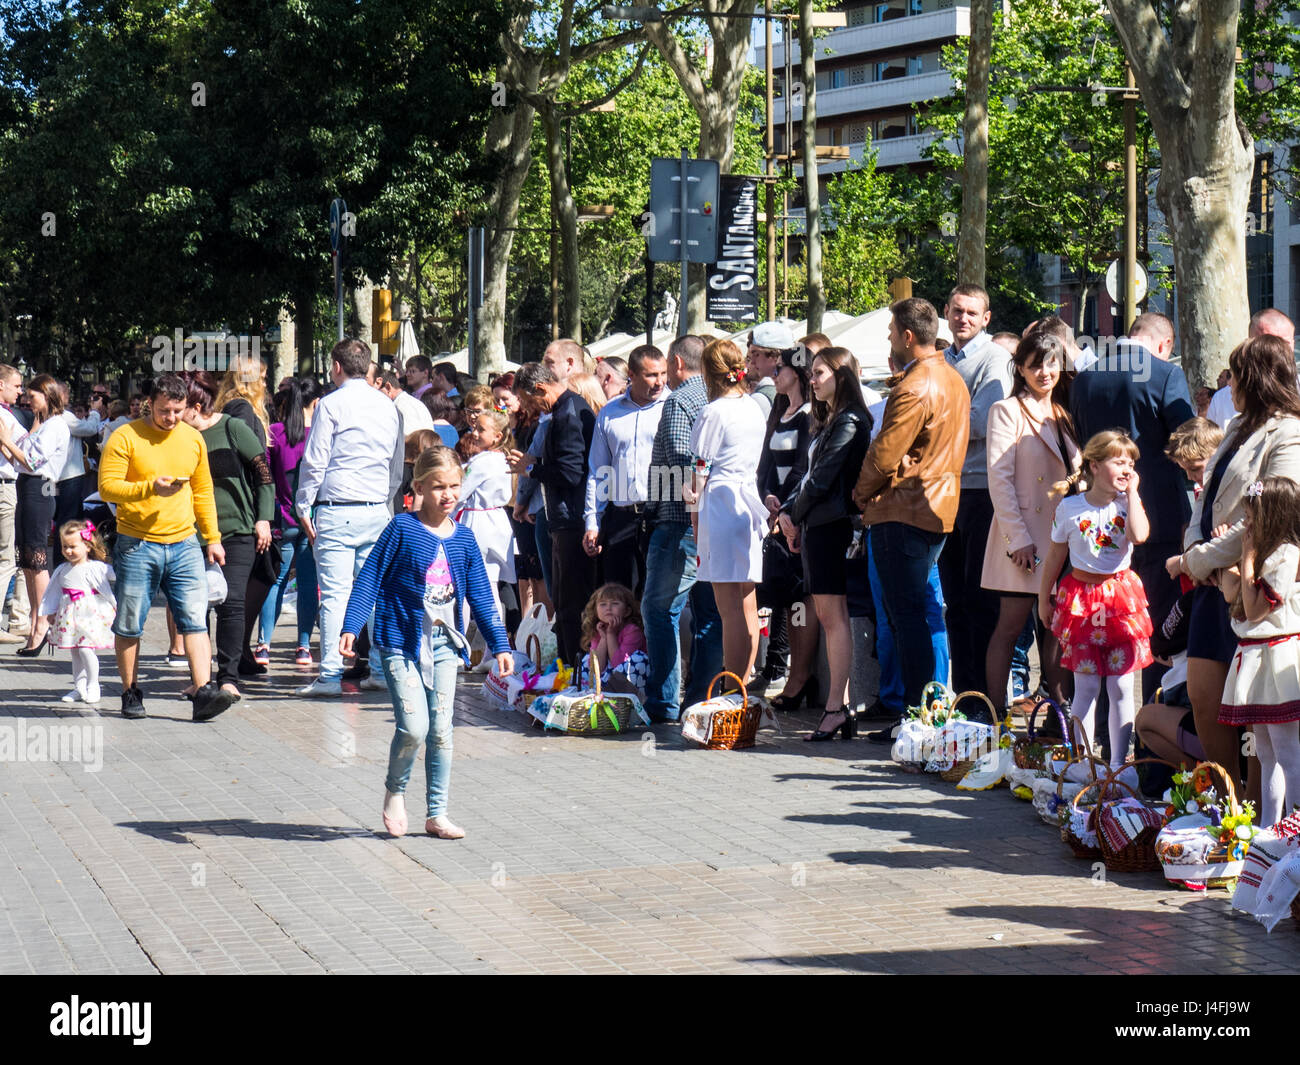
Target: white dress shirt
355, 449
618, 464
79, 429
16, 434
415, 415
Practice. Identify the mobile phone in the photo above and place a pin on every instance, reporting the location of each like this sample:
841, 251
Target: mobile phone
1037, 561
180, 480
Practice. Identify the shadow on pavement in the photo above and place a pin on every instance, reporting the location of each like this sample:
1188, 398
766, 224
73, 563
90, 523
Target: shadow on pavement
177, 831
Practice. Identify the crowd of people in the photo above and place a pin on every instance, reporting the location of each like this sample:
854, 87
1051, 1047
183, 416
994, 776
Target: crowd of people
1008, 490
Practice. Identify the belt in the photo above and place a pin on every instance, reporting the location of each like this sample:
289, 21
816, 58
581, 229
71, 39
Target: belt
635, 508
348, 503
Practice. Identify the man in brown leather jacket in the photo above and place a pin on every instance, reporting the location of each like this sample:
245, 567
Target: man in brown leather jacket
910, 484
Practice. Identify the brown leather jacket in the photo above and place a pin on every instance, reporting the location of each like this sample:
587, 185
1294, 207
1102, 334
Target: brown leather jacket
912, 473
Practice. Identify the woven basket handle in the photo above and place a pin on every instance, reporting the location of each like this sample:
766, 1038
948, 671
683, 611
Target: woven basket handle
1078, 756
744, 692
1077, 732
1102, 785
531, 641
1066, 734
993, 713
1230, 789
1112, 775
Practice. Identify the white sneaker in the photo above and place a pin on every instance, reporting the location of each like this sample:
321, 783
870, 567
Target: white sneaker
92, 694
73, 696
322, 688
371, 683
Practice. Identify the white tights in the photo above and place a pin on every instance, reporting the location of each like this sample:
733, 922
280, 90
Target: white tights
1087, 686
85, 673
1278, 747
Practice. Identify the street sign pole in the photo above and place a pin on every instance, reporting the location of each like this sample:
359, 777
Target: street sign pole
681, 306
337, 242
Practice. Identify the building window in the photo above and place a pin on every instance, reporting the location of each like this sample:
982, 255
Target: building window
859, 16
914, 65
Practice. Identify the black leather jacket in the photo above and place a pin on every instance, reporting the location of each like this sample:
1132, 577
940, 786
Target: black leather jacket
836, 461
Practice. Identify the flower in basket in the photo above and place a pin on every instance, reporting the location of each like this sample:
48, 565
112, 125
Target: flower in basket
1235, 831
564, 674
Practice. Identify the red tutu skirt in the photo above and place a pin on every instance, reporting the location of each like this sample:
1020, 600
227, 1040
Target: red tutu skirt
1104, 628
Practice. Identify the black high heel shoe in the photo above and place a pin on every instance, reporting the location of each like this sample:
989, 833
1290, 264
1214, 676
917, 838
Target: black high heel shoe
788, 704
32, 652
848, 729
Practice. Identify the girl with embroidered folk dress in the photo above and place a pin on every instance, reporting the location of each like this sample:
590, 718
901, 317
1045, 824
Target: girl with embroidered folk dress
80, 606
1100, 615
1263, 686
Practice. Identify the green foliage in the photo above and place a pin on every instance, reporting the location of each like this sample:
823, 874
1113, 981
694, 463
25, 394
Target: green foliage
860, 252
1268, 34
189, 151
1056, 183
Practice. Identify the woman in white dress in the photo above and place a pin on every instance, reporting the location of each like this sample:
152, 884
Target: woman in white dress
728, 515
485, 493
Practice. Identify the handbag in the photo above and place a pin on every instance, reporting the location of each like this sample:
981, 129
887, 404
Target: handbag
782, 584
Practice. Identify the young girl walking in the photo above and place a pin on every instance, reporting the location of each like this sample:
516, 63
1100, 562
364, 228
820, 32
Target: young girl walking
1100, 614
415, 580
1263, 686
613, 631
80, 607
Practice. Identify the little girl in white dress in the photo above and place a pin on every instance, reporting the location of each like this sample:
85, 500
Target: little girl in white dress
80, 605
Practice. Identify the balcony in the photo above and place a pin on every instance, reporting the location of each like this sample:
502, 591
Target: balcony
879, 36
896, 151
874, 95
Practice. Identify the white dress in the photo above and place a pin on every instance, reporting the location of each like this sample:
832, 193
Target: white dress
1263, 682
484, 491
81, 600
728, 437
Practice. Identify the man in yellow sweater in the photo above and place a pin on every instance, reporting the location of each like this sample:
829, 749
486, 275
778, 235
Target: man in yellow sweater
155, 469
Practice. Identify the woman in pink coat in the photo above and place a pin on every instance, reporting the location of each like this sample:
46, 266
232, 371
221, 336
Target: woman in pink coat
1031, 448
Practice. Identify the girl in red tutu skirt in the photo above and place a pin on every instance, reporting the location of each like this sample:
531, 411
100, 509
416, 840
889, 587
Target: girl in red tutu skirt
1100, 610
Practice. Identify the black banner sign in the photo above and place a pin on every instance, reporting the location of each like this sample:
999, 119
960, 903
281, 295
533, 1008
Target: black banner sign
733, 279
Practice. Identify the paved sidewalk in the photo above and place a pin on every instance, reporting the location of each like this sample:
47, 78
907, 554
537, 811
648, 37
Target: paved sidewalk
254, 844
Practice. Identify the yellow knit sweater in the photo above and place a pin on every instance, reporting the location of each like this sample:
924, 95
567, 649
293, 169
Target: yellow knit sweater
137, 454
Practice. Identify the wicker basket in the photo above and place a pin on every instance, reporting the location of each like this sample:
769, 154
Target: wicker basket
1139, 855
596, 713
1029, 752
526, 698
1081, 848
728, 728
954, 773
1219, 857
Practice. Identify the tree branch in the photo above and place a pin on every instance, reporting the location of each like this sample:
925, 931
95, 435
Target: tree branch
1165, 93
575, 108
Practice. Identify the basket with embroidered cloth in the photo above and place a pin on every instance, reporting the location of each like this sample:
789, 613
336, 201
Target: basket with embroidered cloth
937, 737
1269, 884
728, 722
1202, 845
1127, 827
528, 680
588, 713
1032, 750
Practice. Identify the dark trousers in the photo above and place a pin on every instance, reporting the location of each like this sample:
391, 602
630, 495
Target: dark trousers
1162, 592
72, 493
573, 573
624, 537
972, 611
231, 620
904, 555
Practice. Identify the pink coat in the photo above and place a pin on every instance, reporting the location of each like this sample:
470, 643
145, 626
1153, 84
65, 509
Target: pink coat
1024, 461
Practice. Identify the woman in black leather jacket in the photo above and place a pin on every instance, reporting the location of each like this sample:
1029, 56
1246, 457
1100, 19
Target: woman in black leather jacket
818, 521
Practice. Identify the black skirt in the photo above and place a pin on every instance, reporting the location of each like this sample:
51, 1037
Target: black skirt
825, 569
36, 503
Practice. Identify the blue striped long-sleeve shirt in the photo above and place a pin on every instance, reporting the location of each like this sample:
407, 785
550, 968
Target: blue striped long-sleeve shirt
393, 578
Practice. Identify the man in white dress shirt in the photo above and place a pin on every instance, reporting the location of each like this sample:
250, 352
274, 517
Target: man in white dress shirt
11, 385
1270, 322
414, 414
618, 471
350, 472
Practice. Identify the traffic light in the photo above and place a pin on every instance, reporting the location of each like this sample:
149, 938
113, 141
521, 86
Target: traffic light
383, 330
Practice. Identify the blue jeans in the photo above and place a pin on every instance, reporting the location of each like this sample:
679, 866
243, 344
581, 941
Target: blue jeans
542, 535
423, 716
142, 567
344, 537
1020, 657
905, 558
295, 551
891, 680
669, 579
